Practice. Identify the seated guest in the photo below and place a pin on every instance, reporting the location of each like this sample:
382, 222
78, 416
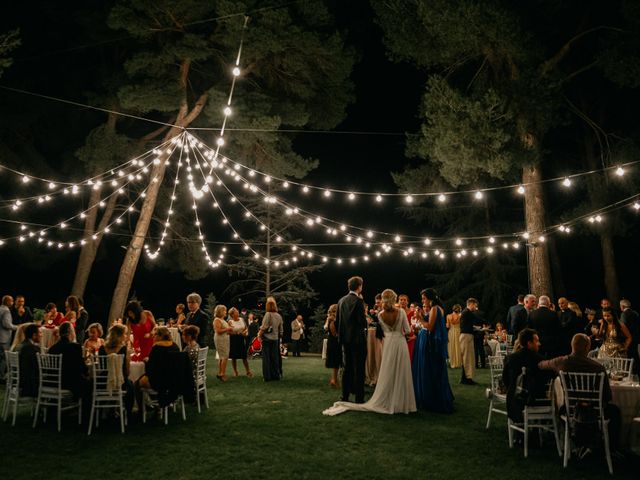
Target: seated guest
52, 317
21, 313
190, 339
180, 316
116, 342
95, 341
579, 362
528, 357
74, 370
27, 351
159, 359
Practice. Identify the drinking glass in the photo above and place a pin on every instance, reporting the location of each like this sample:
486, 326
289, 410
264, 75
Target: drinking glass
635, 380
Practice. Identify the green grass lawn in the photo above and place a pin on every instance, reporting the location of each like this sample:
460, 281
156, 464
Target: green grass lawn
276, 430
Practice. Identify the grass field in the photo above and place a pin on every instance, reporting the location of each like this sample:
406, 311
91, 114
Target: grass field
276, 430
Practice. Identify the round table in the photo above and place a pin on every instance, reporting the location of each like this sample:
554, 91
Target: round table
47, 338
626, 396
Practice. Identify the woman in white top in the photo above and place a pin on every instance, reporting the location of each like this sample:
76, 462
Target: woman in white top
238, 350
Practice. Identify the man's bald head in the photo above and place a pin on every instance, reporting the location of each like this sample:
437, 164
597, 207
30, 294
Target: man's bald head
580, 344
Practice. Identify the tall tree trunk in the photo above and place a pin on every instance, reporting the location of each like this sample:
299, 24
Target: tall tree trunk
597, 186
537, 251
132, 257
609, 264
89, 250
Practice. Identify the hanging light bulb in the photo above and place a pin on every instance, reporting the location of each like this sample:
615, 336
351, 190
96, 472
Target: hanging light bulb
566, 182
378, 198
235, 71
521, 190
620, 171
478, 195
227, 111
408, 199
442, 198
352, 197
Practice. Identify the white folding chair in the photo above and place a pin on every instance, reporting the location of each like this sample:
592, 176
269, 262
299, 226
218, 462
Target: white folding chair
541, 417
201, 377
50, 392
584, 390
619, 366
12, 392
496, 396
150, 399
105, 397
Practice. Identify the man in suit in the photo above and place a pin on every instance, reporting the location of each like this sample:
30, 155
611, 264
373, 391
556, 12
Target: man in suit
512, 316
27, 351
545, 322
82, 323
297, 333
75, 375
352, 328
632, 321
7, 328
569, 326
197, 317
526, 357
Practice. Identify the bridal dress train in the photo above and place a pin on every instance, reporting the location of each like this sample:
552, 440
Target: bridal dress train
394, 390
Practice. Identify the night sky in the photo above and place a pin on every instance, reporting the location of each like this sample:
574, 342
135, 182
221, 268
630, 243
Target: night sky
387, 95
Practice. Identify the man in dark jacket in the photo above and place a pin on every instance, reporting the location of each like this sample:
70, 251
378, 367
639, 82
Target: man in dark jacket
27, 351
352, 327
534, 380
630, 318
513, 316
198, 318
545, 323
74, 370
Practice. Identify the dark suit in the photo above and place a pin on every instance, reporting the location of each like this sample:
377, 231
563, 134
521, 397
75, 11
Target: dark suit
545, 322
352, 327
536, 380
28, 368
631, 319
516, 319
569, 326
74, 370
200, 320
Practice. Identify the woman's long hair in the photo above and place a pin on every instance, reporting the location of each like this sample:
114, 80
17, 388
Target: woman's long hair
432, 296
115, 336
135, 308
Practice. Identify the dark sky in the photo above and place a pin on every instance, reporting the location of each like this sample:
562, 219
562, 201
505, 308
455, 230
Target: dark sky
387, 95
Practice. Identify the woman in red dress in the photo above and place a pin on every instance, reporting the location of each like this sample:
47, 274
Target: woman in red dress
52, 317
141, 323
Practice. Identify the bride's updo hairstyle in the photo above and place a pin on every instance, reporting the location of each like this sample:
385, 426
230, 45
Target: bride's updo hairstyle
389, 298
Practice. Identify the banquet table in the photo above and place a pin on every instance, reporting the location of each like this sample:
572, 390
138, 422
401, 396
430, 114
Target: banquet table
175, 336
626, 396
136, 370
47, 338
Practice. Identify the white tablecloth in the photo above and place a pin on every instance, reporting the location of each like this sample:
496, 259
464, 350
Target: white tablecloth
47, 338
136, 370
627, 398
175, 336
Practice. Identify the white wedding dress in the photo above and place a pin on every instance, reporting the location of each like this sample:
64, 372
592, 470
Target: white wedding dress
394, 390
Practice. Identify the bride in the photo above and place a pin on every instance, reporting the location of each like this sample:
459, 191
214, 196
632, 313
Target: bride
394, 390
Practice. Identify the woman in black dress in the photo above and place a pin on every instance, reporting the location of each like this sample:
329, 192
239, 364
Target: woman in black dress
238, 339
334, 355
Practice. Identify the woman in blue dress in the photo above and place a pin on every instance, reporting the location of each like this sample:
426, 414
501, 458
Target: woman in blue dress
430, 375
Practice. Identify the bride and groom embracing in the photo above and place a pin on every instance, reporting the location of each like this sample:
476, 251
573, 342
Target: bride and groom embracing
394, 391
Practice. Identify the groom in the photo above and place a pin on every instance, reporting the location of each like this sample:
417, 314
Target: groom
352, 328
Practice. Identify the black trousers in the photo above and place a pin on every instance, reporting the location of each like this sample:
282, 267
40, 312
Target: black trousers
478, 341
271, 360
354, 356
295, 348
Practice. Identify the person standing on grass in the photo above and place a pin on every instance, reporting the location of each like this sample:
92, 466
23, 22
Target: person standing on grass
297, 334
334, 355
271, 333
352, 328
468, 320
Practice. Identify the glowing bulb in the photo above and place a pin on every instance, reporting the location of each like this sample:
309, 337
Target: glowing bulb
25, 179
521, 190
620, 171
566, 182
235, 71
220, 141
408, 199
478, 195
492, 240
490, 250
305, 189
52, 186
227, 111
397, 238
427, 241
352, 197
458, 241
378, 198
442, 198
327, 193
636, 205
525, 235
541, 238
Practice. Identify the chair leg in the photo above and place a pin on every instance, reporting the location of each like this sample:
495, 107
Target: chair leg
59, 414
93, 410
184, 413
122, 417
206, 396
607, 448
166, 415
490, 411
15, 411
510, 432
198, 399
556, 435
35, 416
526, 435
5, 405
144, 409
567, 448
